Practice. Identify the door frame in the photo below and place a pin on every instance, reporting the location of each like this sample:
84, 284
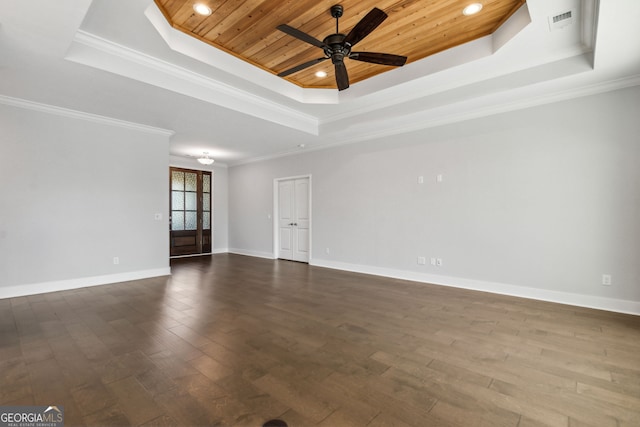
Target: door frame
276, 216
190, 168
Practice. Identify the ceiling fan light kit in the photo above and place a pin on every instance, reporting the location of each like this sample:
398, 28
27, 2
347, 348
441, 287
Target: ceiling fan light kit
338, 46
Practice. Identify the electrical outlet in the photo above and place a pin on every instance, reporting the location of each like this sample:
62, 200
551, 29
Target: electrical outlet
439, 262
422, 260
116, 260
439, 177
421, 179
606, 280
433, 261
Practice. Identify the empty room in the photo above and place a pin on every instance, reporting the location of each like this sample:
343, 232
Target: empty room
320, 213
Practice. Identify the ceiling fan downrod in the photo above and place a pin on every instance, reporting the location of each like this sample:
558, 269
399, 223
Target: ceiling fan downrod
336, 12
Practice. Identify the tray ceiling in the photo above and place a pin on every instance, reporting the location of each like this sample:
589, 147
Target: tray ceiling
414, 28
123, 63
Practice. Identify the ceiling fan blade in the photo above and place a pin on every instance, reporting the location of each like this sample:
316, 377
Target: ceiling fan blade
379, 58
342, 78
367, 24
300, 35
301, 67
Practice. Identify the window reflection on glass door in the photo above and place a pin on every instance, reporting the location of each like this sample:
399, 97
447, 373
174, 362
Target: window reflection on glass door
190, 212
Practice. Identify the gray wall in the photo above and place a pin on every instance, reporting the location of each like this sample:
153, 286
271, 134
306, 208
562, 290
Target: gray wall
545, 199
74, 194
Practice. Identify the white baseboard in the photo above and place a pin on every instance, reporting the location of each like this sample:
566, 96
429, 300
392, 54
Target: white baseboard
257, 254
64, 285
213, 252
190, 255
580, 300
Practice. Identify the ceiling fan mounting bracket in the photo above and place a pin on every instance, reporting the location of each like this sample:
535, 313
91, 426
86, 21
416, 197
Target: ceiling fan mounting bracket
336, 11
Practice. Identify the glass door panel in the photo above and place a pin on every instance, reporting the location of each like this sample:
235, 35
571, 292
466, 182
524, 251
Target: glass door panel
206, 213
190, 231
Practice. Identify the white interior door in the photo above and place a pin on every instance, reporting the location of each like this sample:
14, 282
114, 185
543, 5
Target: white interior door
285, 219
294, 219
302, 220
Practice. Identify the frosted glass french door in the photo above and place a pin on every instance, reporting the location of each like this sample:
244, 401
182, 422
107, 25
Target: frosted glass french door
190, 205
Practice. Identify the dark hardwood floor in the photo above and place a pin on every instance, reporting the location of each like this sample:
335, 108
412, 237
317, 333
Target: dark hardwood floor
235, 341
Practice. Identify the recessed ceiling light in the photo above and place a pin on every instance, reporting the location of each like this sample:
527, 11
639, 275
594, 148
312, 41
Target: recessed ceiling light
321, 74
202, 9
472, 9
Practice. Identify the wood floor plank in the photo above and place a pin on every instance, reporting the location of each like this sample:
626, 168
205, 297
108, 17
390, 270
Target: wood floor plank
107, 417
383, 396
231, 340
123, 365
136, 403
184, 408
15, 380
162, 421
261, 402
92, 398
296, 397
155, 381
562, 404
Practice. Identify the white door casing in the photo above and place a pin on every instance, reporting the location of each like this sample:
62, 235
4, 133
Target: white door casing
293, 229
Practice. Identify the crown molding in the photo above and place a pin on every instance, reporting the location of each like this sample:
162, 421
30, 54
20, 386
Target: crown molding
451, 114
92, 50
81, 115
484, 106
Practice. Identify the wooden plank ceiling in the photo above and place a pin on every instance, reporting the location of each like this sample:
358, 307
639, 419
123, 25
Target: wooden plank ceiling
414, 28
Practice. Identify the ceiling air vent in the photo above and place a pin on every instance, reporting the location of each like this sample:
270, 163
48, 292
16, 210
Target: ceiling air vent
560, 21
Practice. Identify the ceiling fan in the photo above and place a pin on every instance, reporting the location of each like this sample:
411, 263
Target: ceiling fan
338, 46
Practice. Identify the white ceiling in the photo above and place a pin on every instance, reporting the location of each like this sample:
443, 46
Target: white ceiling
119, 59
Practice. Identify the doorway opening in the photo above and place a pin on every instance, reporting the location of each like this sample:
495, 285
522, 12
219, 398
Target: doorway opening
191, 217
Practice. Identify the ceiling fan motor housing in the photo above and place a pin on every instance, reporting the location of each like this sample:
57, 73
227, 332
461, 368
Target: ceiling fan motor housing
336, 49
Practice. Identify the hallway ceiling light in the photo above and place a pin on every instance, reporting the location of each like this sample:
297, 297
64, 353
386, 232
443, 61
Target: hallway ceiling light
205, 159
